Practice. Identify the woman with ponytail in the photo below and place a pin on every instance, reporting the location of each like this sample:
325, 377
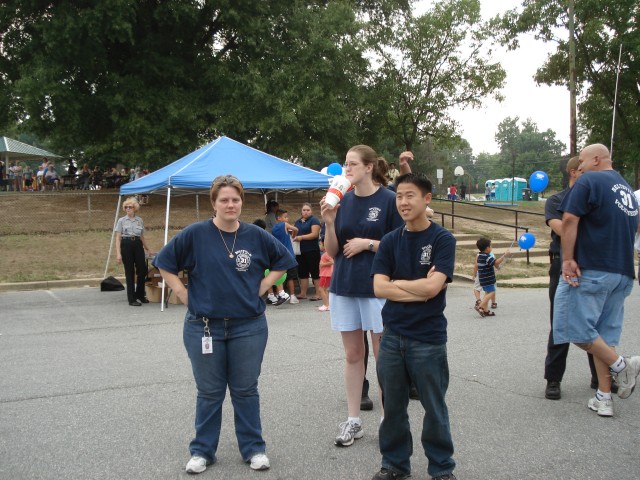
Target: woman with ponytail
354, 229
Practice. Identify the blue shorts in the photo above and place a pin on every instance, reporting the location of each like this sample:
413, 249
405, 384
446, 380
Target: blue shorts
489, 288
593, 309
356, 313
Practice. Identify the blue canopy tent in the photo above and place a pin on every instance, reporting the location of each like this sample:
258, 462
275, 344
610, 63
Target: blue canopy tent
255, 169
258, 172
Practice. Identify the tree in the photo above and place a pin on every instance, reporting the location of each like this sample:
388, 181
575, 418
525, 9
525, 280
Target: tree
431, 64
601, 27
145, 82
525, 149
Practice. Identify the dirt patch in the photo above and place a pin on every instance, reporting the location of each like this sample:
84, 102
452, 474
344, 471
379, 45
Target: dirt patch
65, 235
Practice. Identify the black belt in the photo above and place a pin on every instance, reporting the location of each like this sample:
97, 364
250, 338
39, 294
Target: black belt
130, 237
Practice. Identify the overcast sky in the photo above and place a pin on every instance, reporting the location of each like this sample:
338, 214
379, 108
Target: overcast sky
547, 106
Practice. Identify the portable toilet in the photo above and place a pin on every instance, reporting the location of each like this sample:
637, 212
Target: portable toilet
521, 184
505, 183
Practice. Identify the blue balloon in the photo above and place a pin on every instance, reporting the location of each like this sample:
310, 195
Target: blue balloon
334, 169
527, 241
538, 181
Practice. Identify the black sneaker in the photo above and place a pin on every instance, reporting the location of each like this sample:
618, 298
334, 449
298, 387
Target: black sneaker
448, 476
552, 392
366, 403
269, 301
386, 474
281, 300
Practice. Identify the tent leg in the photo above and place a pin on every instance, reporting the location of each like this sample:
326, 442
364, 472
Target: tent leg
113, 234
166, 239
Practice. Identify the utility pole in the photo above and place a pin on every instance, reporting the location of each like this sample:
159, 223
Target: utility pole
573, 130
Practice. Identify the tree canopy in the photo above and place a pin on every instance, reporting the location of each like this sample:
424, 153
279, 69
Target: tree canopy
144, 82
431, 64
601, 28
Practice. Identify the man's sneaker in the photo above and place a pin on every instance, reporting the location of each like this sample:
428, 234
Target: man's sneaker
293, 299
366, 403
197, 464
386, 474
552, 392
272, 299
282, 299
603, 407
259, 462
626, 379
448, 476
349, 432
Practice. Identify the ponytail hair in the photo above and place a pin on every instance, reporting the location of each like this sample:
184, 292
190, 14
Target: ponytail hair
370, 157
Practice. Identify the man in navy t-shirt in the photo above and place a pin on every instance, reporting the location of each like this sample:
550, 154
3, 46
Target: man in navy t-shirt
599, 222
411, 269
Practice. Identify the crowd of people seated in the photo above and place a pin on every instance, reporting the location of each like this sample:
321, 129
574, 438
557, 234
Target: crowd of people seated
20, 177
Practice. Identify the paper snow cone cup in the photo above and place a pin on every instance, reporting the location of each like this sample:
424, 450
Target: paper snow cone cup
338, 187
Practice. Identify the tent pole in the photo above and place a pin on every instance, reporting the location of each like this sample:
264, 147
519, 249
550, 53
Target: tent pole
113, 234
166, 239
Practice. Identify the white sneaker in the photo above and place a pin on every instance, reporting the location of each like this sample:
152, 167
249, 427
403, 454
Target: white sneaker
272, 299
259, 462
603, 407
293, 299
626, 379
349, 432
197, 464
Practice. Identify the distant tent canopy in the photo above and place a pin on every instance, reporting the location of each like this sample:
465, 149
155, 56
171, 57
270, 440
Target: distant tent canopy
255, 169
11, 150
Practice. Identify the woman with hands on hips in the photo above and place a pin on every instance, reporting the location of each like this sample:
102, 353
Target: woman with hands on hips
225, 328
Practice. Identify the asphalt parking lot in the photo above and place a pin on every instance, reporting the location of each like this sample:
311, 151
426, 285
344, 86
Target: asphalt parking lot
92, 388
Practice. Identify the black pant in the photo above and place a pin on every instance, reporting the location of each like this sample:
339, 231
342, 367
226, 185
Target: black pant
556, 362
135, 267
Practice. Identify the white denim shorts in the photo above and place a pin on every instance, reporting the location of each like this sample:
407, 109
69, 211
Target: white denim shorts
356, 313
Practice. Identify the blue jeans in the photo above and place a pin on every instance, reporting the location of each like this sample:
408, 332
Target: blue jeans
238, 349
400, 361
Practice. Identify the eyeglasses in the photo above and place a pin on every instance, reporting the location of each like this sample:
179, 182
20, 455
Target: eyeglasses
225, 179
351, 164
127, 207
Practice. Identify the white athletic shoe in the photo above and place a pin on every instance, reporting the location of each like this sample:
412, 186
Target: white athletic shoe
259, 462
603, 407
197, 464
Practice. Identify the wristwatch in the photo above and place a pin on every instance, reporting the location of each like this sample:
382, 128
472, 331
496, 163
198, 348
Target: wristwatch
371, 245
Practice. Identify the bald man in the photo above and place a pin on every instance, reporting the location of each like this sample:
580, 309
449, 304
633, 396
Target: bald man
599, 222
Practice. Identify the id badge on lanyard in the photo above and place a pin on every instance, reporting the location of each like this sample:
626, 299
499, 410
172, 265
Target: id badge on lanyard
207, 342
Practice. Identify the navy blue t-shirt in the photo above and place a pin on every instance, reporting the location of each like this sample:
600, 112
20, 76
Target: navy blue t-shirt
486, 269
219, 286
405, 255
608, 212
361, 217
551, 212
304, 228
282, 236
